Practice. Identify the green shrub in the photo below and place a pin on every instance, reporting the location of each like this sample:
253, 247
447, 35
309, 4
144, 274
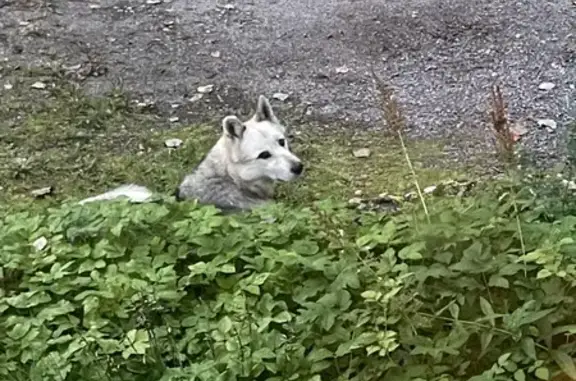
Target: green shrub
173, 291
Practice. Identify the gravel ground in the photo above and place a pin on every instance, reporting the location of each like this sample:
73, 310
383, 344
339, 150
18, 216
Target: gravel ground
442, 56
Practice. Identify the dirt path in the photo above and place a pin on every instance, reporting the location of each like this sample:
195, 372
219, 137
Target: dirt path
441, 55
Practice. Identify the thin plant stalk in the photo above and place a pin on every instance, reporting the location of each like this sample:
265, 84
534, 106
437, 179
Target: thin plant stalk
395, 119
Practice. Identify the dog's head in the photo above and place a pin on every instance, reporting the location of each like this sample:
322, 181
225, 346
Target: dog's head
258, 148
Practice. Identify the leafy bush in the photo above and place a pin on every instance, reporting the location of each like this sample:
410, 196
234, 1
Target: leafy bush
173, 291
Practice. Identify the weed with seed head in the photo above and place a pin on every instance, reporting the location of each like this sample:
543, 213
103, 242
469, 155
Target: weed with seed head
394, 117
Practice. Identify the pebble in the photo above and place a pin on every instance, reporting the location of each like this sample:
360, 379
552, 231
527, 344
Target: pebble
173, 143
280, 96
38, 85
195, 98
174, 119
546, 86
550, 123
430, 189
41, 192
362, 153
205, 89
570, 184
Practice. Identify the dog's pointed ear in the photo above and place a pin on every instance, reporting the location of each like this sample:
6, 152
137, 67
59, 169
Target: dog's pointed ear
264, 111
233, 127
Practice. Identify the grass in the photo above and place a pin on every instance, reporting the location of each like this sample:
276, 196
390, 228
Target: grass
79, 144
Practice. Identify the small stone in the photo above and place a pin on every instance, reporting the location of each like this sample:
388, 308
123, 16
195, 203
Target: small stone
173, 143
8, 86
38, 85
229, 7
205, 89
410, 196
72, 67
550, 123
280, 96
342, 69
518, 129
362, 153
215, 54
174, 119
40, 243
571, 185
546, 86
41, 192
430, 189
358, 192
195, 98
355, 201
94, 6
153, 2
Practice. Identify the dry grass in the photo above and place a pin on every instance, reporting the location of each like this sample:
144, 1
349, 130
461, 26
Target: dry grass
505, 142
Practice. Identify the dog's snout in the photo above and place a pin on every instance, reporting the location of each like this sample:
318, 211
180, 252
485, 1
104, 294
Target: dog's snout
297, 168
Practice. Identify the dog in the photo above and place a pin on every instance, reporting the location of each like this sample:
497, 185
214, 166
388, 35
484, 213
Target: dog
239, 172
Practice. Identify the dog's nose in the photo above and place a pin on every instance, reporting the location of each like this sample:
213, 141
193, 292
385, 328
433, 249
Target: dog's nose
297, 168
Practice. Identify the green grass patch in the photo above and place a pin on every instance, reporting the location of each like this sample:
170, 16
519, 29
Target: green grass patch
80, 145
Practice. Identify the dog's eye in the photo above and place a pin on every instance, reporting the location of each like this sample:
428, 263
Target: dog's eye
265, 155
282, 142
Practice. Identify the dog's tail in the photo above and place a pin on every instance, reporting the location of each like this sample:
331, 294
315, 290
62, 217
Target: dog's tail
135, 193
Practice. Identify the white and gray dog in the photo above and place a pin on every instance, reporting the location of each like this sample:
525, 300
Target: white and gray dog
241, 169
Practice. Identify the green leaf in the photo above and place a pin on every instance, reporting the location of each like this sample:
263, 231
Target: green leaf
371, 295
305, 247
542, 373
498, 281
63, 307
117, 229
228, 268
225, 324
282, 317
254, 290
565, 363
519, 375
487, 310
19, 330
485, 340
319, 354
264, 353
544, 273
529, 347
136, 343
412, 252
503, 358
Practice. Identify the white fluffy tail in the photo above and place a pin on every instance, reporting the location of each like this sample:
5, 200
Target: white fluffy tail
135, 193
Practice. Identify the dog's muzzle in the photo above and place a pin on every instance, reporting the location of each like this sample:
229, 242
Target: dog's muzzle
297, 168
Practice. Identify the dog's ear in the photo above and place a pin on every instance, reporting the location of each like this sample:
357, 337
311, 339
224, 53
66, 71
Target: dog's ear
264, 111
233, 127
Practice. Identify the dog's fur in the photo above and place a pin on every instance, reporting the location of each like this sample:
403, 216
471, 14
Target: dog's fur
240, 170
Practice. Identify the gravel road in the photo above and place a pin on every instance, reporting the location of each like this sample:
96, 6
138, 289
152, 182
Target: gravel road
442, 56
